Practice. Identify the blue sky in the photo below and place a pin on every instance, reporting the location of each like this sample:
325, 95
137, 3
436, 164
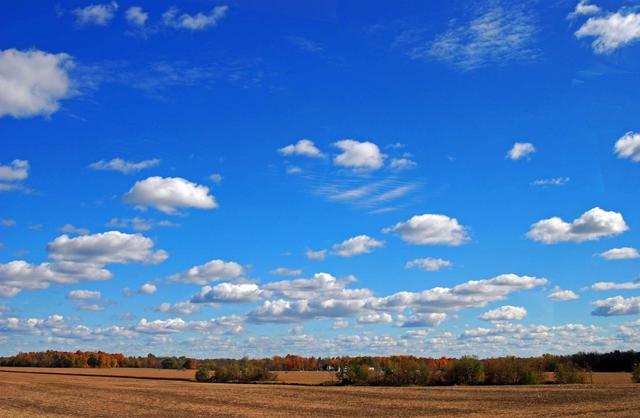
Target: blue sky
257, 178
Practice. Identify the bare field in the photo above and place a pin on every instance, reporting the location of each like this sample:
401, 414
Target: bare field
31, 395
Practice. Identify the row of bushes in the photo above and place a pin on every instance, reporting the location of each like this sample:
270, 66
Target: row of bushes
236, 371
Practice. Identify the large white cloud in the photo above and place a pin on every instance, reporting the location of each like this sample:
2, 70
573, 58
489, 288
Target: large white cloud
169, 194
33, 82
359, 155
95, 14
431, 229
302, 147
591, 225
428, 264
505, 313
624, 253
361, 244
612, 31
212, 271
173, 18
19, 275
229, 293
126, 167
520, 150
617, 305
106, 248
628, 146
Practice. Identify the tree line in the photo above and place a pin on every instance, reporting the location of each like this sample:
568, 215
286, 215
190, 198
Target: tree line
361, 370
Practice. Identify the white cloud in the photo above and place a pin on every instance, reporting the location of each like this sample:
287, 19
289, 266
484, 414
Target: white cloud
180, 308
33, 82
361, 244
628, 146
505, 313
294, 170
126, 167
95, 14
402, 164
624, 253
216, 178
340, 324
17, 170
375, 318
560, 295
138, 224
612, 31
616, 286
315, 255
520, 150
591, 225
69, 228
359, 155
430, 229
7, 222
136, 16
498, 34
302, 147
212, 271
617, 305
428, 264
19, 275
106, 248
168, 194
556, 181
199, 21
583, 8
231, 323
148, 289
84, 294
284, 271
428, 320
229, 293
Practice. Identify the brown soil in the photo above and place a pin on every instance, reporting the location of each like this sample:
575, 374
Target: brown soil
31, 395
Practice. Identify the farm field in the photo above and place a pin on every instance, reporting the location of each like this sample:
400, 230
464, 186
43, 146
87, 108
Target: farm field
31, 395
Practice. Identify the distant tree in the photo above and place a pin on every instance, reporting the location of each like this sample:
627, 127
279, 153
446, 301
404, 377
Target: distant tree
635, 374
466, 371
569, 373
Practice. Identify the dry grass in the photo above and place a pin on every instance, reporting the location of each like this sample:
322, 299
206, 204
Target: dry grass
600, 378
31, 395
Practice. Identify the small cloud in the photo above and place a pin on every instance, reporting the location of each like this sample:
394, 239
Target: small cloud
428, 264
216, 178
148, 289
200, 21
70, 229
303, 147
402, 164
628, 146
125, 167
361, 244
95, 14
559, 295
136, 16
557, 181
316, 255
624, 253
284, 271
520, 150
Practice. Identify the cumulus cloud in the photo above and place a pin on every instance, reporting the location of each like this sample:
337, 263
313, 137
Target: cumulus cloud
168, 194
19, 275
505, 313
180, 308
200, 21
315, 255
136, 16
611, 31
16, 170
222, 324
33, 82
428, 320
556, 181
628, 146
520, 150
303, 147
497, 34
591, 225
229, 293
430, 229
375, 318
361, 244
84, 294
212, 271
126, 167
584, 8
112, 247
148, 289
617, 305
428, 264
616, 286
359, 155
402, 164
284, 271
95, 14
560, 295
624, 253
